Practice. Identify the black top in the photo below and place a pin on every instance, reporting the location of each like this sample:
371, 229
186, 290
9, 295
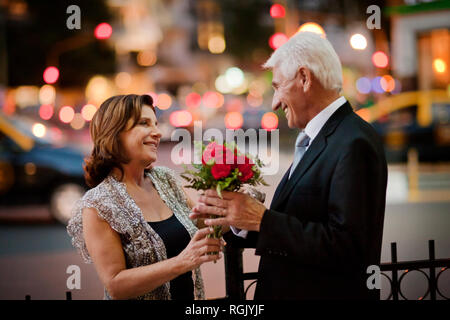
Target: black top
176, 238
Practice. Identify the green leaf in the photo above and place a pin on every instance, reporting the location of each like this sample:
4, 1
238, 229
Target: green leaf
219, 191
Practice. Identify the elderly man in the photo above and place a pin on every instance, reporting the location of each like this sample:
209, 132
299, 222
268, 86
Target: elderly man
324, 226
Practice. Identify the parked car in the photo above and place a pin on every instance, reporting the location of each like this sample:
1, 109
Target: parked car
413, 120
37, 171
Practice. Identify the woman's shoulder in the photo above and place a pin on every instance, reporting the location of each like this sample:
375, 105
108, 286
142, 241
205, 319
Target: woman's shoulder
98, 193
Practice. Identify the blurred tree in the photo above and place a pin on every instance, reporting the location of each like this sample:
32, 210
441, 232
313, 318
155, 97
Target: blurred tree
35, 28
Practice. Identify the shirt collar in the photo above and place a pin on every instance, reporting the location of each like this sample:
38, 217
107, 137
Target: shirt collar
315, 124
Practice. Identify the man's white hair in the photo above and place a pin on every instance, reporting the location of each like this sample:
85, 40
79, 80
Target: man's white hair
307, 49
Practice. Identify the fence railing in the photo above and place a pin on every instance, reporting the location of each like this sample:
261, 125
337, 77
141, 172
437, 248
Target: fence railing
235, 277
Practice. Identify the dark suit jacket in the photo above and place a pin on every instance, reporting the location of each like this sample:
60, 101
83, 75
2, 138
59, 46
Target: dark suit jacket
325, 224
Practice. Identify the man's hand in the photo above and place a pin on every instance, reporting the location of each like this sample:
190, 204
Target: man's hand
235, 209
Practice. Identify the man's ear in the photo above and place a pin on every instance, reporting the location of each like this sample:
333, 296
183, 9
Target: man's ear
303, 75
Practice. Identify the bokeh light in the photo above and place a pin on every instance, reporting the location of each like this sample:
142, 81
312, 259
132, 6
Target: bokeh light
222, 85
358, 41
99, 89
277, 11
46, 111
376, 85
380, 59
233, 120
277, 40
164, 101
39, 130
77, 122
254, 100
387, 83
364, 113
88, 112
123, 80
216, 44
47, 94
103, 31
180, 118
439, 65
234, 77
269, 121
213, 99
51, 75
312, 27
193, 100
146, 58
257, 87
363, 85
66, 114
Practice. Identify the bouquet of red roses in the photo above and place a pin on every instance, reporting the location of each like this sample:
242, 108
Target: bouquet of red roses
223, 167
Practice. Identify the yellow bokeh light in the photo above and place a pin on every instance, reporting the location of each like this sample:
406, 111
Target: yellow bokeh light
216, 44
99, 89
88, 112
123, 80
78, 122
146, 58
164, 101
312, 27
47, 94
439, 65
387, 83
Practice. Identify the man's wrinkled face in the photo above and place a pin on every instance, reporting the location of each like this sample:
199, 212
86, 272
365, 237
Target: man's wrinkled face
289, 95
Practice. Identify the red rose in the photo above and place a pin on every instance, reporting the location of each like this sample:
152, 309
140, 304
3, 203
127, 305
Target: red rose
220, 170
220, 154
210, 152
246, 170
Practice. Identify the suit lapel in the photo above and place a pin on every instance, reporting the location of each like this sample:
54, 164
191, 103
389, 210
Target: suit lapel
280, 187
318, 145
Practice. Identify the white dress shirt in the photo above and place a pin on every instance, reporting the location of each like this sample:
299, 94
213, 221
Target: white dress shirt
312, 129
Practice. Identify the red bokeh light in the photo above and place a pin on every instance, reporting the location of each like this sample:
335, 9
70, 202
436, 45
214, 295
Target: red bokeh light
51, 75
233, 120
277, 40
269, 121
193, 100
103, 31
213, 99
46, 111
380, 59
277, 11
180, 118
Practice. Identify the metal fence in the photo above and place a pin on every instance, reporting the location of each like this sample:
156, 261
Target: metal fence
235, 277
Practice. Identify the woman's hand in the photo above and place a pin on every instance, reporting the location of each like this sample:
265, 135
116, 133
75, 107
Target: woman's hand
196, 252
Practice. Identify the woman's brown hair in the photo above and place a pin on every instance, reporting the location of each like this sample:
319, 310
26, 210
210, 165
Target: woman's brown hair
110, 119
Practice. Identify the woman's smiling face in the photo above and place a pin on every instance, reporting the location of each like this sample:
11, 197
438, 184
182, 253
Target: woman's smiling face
141, 141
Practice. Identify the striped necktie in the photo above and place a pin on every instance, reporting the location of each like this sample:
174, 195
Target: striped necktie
301, 144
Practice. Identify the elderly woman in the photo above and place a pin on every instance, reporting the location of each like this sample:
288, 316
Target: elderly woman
133, 224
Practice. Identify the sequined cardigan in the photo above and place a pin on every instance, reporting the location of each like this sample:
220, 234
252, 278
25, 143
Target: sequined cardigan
141, 244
